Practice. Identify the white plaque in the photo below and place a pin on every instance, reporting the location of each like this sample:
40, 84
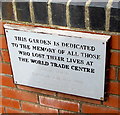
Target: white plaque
58, 60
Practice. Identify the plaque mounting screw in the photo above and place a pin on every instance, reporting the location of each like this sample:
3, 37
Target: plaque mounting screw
15, 81
103, 43
6, 31
101, 98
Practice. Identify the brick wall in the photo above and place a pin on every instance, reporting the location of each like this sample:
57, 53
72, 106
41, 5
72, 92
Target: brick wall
87, 16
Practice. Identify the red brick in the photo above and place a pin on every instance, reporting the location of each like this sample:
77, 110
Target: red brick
61, 104
37, 108
2, 109
0, 91
97, 109
5, 68
3, 43
113, 88
18, 94
115, 42
115, 58
10, 110
1, 56
1, 28
10, 103
7, 81
5, 56
113, 101
112, 73
0, 100
36, 90
82, 99
119, 74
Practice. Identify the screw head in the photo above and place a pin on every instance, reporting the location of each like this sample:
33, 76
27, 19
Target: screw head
101, 98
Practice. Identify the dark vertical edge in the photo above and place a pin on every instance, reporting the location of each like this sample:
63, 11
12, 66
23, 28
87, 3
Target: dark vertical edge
0, 10
107, 68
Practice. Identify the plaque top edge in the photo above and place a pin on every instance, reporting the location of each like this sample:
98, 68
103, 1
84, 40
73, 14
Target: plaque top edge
103, 38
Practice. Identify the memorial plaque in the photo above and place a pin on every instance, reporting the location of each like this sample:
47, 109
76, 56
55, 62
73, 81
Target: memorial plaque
58, 60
